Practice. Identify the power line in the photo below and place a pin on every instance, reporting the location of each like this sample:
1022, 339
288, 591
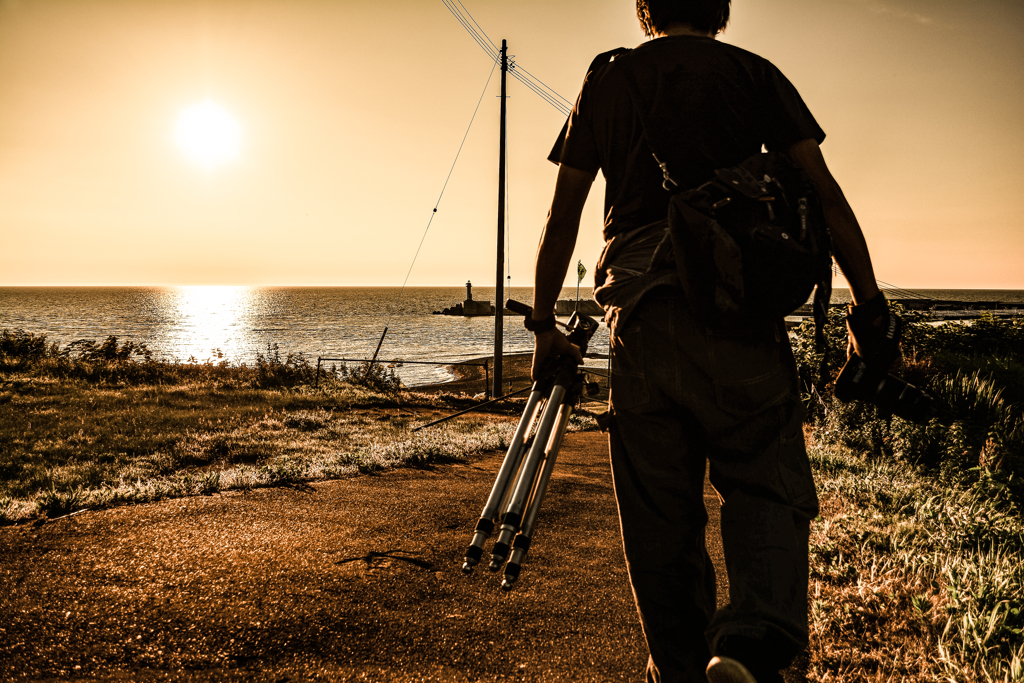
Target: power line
542, 94
905, 293
541, 89
477, 25
481, 39
546, 87
888, 286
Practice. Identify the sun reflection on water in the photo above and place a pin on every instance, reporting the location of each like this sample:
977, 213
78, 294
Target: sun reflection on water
211, 318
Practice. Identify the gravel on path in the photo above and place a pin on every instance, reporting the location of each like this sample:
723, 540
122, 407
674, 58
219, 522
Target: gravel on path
345, 580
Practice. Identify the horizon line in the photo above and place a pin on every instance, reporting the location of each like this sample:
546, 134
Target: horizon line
483, 286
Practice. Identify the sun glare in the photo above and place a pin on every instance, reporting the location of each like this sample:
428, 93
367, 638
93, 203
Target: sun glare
208, 134
211, 318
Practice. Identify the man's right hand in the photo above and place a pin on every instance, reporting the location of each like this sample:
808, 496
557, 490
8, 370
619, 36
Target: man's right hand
551, 344
875, 332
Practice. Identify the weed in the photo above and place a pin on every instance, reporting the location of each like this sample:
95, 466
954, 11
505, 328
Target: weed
112, 361
373, 376
916, 562
913, 577
283, 473
308, 421
56, 503
210, 484
369, 465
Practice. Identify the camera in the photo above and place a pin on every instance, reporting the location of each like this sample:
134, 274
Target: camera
890, 394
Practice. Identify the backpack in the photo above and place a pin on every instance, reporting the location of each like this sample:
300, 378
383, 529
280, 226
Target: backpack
749, 244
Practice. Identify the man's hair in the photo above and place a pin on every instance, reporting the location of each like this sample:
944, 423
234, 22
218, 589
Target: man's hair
706, 16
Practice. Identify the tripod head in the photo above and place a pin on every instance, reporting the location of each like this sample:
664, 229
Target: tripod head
579, 330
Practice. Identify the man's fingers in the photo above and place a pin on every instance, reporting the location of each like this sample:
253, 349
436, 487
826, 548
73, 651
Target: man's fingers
551, 345
575, 350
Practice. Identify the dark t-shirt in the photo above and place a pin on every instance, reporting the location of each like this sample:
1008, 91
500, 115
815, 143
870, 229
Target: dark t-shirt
711, 106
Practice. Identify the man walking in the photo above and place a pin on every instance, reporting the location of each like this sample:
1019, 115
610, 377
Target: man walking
683, 394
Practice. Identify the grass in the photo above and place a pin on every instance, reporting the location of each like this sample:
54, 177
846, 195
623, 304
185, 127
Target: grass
917, 560
913, 578
99, 425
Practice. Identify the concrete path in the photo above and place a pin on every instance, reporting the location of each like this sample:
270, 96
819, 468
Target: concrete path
354, 579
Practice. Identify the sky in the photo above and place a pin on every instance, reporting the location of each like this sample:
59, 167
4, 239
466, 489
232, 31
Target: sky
348, 116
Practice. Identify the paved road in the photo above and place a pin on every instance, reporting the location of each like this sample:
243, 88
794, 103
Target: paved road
355, 579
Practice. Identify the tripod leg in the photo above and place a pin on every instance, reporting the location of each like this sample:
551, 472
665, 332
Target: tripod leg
492, 508
524, 484
522, 542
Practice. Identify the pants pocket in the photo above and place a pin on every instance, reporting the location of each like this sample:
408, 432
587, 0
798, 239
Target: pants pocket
750, 372
629, 387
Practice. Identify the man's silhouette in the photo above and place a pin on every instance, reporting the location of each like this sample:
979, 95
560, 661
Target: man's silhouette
684, 394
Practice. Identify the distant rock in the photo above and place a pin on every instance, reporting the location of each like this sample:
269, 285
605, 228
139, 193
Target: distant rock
470, 308
564, 308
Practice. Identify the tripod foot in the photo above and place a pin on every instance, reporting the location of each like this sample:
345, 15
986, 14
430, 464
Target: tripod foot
473, 554
511, 576
498, 556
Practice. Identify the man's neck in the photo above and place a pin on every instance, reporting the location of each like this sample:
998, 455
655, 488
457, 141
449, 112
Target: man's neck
680, 29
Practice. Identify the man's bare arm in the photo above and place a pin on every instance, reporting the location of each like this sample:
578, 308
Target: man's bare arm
849, 246
558, 240
557, 243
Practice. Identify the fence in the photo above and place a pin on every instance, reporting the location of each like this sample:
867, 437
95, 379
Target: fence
485, 365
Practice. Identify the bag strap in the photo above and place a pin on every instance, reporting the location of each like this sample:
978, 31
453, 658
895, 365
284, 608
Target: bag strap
668, 183
822, 298
822, 291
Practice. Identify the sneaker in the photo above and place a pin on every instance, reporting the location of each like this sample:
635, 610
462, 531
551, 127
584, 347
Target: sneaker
725, 670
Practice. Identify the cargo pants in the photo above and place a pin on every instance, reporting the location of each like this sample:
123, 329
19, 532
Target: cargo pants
682, 396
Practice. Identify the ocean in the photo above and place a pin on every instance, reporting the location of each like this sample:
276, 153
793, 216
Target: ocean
182, 323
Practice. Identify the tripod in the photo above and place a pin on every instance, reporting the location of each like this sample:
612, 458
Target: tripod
515, 498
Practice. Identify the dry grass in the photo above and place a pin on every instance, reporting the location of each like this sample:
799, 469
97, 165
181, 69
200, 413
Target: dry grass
70, 445
109, 426
912, 580
95, 425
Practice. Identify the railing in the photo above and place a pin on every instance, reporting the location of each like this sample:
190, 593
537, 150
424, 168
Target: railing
485, 365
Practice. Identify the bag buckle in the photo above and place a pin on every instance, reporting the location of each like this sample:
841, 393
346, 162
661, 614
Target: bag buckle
664, 174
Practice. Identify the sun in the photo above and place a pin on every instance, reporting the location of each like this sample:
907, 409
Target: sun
208, 134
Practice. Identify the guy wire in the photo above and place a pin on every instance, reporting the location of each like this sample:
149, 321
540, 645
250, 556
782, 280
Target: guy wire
508, 237
433, 213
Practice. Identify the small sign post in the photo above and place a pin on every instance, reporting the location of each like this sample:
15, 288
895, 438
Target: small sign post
580, 272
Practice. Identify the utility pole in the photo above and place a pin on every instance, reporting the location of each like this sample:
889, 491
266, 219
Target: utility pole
499, 287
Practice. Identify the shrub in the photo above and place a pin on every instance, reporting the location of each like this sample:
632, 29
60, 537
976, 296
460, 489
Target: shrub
114, 362
373, 376
272, 373
976, 373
